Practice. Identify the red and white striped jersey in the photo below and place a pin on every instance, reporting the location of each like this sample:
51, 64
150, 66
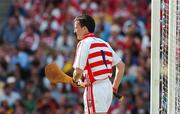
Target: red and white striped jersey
97, 54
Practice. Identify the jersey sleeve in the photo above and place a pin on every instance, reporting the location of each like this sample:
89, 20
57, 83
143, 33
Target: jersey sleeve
115, 58
81, 55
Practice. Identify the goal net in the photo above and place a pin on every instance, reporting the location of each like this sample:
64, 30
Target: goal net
165, 67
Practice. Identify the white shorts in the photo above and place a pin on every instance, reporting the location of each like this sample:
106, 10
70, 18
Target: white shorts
98, 97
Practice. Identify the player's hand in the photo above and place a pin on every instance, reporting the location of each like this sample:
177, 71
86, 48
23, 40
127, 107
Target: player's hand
84, 84
115, 93
115, 90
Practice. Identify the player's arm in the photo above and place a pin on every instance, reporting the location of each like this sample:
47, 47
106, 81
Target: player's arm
80, 61
120, 67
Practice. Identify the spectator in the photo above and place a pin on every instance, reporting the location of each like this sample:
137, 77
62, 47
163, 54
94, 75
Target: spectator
65, 43
30, 39
103, 27
29, 103
16, 6
9, 95
18, 56
139, 107
56, 57
47, 38
47, 104
134, 23
115, 36
5, 108
19, 108
11, 32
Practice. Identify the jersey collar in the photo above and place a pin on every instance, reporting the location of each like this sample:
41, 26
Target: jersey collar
87, 35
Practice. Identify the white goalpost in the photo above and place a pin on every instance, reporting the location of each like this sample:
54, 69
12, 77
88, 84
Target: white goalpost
165, 54
155, 43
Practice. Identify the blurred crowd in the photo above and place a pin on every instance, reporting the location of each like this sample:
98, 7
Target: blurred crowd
38, 32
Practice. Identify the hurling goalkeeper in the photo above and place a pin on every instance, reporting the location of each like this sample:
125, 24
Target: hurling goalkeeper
93, 62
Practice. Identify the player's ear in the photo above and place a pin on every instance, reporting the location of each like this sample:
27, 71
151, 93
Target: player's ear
85, 29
